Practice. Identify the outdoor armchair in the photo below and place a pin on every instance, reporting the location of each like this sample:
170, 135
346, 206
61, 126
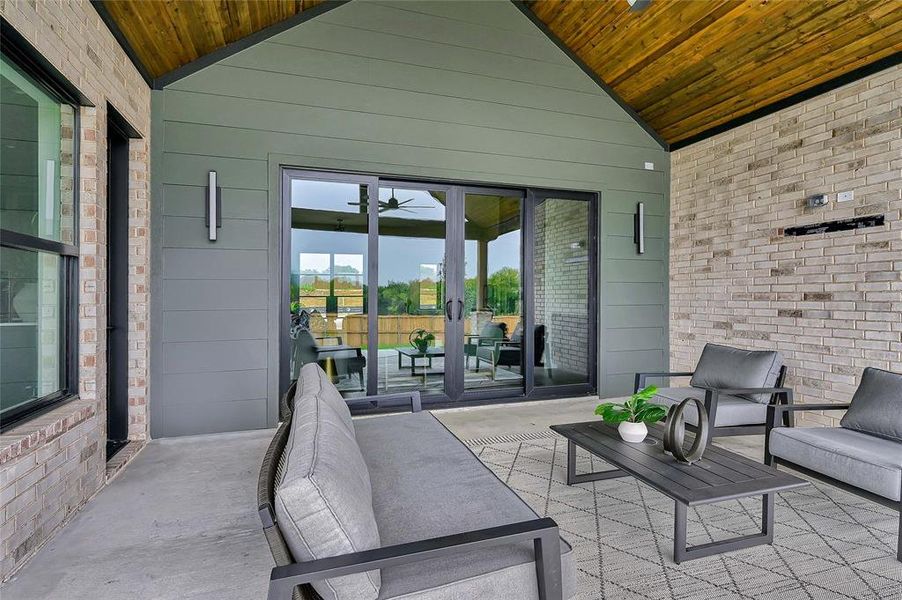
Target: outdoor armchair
486, 338
735, 385
862, 456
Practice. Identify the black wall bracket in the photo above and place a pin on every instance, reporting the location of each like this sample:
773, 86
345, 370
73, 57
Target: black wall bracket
832, 226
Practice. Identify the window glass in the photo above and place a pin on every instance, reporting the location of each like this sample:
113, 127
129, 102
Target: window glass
36, 159
31, 326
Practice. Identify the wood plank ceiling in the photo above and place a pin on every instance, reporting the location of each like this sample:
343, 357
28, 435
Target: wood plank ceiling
685, 66
167, 34
688, 66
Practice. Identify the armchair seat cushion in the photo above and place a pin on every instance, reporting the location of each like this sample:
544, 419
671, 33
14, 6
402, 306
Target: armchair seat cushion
725, 367
427, 484
864, 461
731, 410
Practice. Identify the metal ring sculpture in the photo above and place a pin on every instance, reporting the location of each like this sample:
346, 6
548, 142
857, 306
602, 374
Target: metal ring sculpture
675, 432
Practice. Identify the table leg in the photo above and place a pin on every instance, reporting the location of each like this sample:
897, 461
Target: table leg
683, 553
573, 477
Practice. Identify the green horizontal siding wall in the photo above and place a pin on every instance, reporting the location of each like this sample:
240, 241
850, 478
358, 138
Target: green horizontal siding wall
469, 91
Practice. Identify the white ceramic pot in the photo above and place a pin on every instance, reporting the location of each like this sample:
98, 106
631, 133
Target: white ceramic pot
632, 432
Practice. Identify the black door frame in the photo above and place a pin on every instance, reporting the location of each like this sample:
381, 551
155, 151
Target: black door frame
453, 393
119, 132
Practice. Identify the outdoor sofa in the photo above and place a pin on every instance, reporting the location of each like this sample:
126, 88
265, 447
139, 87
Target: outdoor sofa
395, 507
863, 455
735, 385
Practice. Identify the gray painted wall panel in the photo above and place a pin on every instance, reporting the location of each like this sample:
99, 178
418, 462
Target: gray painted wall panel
188, 201
214, 325
194, 294
204, 263
200, 357
218, 386
326, 65
316, 92
469, 91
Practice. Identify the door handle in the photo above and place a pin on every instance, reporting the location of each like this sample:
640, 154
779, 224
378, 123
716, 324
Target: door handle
460, 309
448, 309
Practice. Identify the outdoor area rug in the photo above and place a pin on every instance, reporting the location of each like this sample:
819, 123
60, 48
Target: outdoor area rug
827, 544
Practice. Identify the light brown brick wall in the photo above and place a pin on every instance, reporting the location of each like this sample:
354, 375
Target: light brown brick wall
51, 465
831, 303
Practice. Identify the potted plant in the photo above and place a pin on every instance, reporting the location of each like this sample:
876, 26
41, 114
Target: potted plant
632, 415
420, 339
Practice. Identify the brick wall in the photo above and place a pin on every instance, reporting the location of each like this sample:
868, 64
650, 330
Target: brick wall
832, 303
51, 465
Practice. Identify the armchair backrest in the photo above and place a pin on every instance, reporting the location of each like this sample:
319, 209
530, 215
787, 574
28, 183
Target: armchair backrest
876, 407
492, 331
726, 367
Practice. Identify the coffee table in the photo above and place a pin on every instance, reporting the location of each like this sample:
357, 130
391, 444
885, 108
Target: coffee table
413, 354
721, 475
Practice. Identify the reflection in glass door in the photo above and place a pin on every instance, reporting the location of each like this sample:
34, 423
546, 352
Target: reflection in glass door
412, 276
494, 352
327, 281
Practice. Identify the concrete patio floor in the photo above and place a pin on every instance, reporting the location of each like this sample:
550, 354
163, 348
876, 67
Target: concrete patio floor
180, 521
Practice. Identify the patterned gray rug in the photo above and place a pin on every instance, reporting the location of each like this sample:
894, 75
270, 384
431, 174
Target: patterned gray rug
828, 543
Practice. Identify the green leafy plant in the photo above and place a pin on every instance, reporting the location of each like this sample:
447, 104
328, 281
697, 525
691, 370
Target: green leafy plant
637, 409
420, 339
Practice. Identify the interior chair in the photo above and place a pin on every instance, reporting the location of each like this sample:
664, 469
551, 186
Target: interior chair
509, 353
489, 334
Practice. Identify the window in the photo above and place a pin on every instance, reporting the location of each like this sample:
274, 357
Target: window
38, 256
331, 282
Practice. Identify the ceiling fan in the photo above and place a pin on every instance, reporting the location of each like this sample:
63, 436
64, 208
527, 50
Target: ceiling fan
391, 204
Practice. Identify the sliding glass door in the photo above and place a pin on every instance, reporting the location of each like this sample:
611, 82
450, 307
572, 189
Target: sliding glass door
458, 292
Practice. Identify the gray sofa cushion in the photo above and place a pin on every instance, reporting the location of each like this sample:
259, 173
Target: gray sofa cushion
427, 484
877, 405
313, 381
323, 502
865, 461
727, 367
731, 410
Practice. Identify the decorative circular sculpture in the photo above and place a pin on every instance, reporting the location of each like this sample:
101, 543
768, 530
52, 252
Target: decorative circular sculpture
675, 432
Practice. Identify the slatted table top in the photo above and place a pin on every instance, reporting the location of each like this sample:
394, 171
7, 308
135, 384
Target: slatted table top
720, 475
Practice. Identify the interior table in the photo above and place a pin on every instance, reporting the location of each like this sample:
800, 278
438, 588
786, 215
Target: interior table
721, 475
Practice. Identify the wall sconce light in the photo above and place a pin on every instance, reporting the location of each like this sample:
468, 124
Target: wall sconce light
639, 233
213, 216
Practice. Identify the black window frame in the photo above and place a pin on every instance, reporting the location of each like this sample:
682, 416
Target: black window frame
23, 55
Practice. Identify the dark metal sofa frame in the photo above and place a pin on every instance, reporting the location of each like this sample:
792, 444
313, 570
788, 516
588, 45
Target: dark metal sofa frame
774, 417
712, 395
291, 579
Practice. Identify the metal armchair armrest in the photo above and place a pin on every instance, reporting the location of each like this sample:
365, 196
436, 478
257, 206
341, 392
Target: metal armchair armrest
777, 391
543, 532
775, 411
330, 337
413, 397
641, 377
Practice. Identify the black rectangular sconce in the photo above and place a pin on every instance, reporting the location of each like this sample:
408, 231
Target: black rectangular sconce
639, 233
213, 213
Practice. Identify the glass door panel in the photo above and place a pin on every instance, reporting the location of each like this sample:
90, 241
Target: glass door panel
327, 281
494, 353
412, 288
563, 273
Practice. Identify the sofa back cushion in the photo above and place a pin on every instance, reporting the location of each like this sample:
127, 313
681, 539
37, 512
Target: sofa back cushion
877, 405
726, 367
313, 381
324, 500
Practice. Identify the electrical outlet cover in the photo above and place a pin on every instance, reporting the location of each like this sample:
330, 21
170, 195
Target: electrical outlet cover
845, 196
649, 166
